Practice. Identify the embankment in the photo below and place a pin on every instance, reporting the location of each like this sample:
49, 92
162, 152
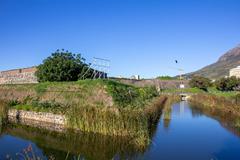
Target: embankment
105, 107
221, 108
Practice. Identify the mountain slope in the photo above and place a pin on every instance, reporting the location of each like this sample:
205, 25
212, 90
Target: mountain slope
221, 68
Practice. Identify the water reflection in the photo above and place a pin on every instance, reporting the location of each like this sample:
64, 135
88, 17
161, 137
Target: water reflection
89, 146
227, 121
191, 134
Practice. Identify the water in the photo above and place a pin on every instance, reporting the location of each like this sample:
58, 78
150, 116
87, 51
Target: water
188, 135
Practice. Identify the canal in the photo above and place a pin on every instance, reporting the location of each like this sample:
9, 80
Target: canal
186, 134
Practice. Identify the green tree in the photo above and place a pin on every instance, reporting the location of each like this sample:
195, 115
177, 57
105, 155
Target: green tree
200, 82
61, 66
228, 84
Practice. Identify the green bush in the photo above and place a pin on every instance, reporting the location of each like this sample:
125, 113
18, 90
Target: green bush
228, 84
200, 82
62, 66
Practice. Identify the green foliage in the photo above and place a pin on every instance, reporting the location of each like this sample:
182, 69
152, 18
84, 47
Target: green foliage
61, 66
13, 102
228, 84
127, 95
200, 82
38, 106
166, 78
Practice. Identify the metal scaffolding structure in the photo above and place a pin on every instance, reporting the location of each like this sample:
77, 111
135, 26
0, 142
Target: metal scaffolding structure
99, 68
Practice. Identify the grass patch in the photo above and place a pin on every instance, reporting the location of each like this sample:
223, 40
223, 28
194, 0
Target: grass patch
229, 94
130, 96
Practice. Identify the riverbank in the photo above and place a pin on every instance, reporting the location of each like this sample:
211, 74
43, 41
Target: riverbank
223, 108
93, 106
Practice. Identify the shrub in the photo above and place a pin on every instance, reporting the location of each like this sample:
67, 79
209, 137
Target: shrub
228, 84
200, 82
62, 66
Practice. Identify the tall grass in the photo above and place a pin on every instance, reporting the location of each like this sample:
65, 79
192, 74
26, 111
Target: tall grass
129, 122
220, 107
3, 114
133, 122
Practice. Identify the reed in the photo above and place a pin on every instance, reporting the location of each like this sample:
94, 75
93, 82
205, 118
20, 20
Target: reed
217, 102
132, 122
3, 114
225, 109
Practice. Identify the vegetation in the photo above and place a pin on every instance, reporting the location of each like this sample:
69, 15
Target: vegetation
3, 114
130, 96
228, 84
182, 90
62, 66
133, 122
28, 153
60, 95
87, 145
166, 78
226, 94
220, 107
200, 82
99, 106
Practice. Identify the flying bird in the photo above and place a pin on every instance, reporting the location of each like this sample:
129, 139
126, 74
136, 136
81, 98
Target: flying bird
176, 61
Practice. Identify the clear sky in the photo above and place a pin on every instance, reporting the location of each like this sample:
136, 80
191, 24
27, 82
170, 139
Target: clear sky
138, 36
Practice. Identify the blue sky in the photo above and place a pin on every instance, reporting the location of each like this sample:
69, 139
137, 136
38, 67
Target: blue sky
138, 36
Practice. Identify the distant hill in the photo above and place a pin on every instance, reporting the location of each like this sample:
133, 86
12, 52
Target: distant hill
221, 68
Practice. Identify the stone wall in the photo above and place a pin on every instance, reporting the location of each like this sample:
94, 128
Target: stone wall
19, 76
162, 84
44, 120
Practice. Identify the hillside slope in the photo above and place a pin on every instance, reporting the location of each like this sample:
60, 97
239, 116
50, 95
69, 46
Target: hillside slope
221, 68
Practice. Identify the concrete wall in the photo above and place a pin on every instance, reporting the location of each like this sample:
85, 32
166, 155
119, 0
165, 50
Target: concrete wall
19, 76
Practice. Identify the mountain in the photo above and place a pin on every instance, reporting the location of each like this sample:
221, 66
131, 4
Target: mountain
221, 68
